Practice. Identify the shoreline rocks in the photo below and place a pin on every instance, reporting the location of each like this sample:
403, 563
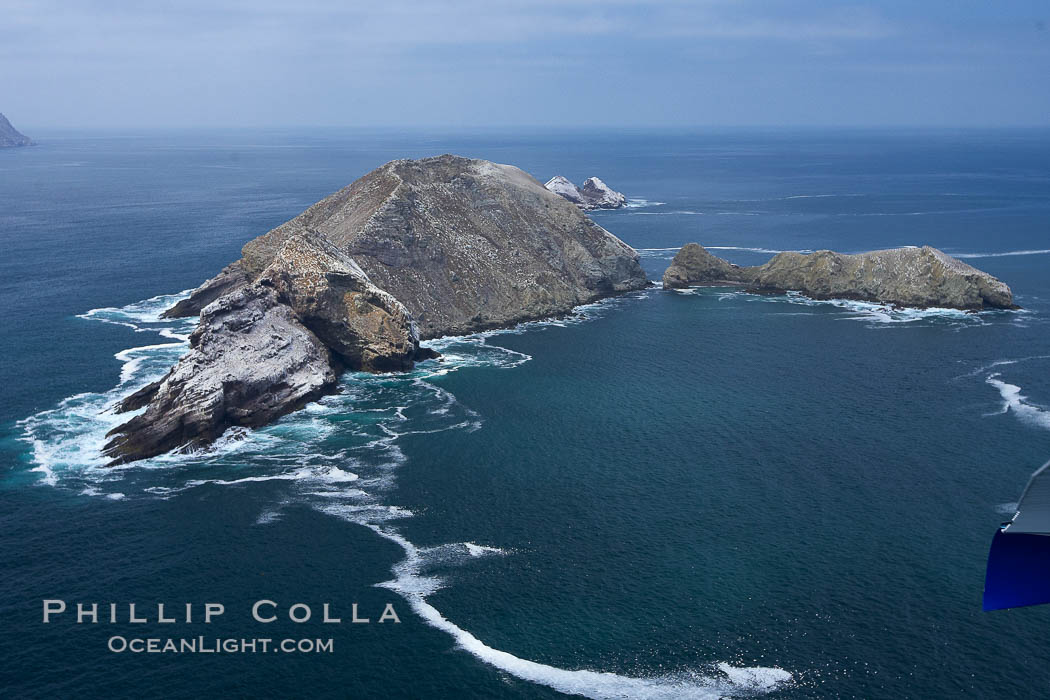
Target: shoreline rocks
593, 194
911, 277
10, 137
250, 362
414, 249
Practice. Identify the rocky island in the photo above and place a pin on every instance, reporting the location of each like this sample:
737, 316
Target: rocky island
915, 277
593, 194
415, 249
10, 136
419, 249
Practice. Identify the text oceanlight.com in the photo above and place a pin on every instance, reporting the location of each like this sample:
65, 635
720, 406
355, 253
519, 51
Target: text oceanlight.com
205, 645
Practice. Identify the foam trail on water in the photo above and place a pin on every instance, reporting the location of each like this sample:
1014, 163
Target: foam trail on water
755, 250
590, 684
480, 550
638, 203
873, 313
1016, 403
1001, 363
1007, 254
820, 196
679, 212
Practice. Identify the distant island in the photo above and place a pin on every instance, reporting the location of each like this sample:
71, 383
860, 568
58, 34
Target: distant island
420, 249
593, 194
10, 137
912, 277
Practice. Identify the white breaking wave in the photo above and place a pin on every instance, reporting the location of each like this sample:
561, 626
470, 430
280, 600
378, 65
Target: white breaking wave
754, 250
1017, 403
820, 196
139, 312
638, 203
480, 550
681, 212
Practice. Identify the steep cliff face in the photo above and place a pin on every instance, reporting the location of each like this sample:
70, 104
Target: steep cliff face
919, 277
367, 328
464, 244
10, 136
449, 244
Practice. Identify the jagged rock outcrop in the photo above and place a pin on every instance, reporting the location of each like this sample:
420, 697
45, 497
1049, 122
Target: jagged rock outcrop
363, 325
916, 277
251, 362
10, 136
464, 244
593, 194
232, 277
450, 244
598, 195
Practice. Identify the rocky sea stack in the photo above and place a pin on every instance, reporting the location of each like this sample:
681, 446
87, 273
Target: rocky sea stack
10, 136
593, 194
415, 249
915, 277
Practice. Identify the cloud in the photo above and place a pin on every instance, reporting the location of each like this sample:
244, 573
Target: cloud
512, 61
115, 28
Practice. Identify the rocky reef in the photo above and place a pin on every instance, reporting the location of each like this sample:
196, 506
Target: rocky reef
416, 248
593, 194
693, 265
915, 277
10, 136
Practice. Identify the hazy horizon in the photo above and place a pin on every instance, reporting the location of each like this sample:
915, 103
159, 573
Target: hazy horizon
538, 64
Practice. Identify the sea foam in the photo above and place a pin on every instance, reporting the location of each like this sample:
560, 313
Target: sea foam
723, 680
1017, 403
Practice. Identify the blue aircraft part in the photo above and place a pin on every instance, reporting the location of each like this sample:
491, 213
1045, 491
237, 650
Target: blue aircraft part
1018, 571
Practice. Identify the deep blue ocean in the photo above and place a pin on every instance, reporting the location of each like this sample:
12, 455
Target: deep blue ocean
665, 495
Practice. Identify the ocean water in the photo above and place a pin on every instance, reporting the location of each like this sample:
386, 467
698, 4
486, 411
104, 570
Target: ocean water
664, 495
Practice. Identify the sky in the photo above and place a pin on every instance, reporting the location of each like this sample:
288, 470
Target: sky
543, 63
